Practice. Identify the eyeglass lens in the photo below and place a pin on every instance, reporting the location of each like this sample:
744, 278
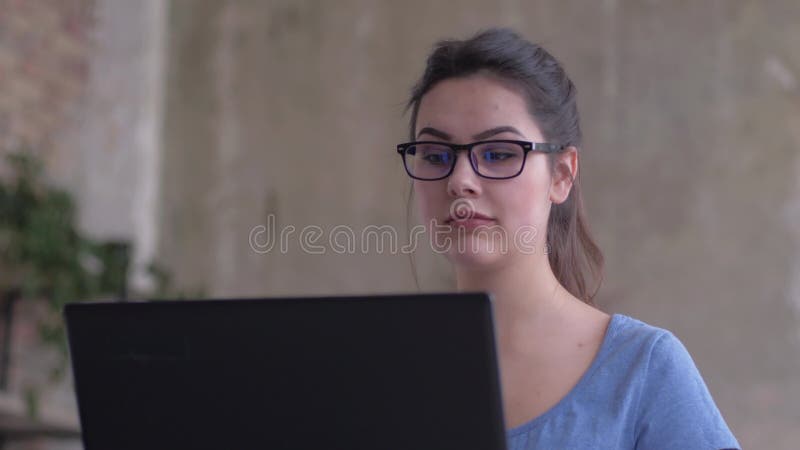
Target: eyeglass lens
491, 159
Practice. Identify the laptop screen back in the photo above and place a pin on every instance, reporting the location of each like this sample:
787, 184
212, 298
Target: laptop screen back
378, 372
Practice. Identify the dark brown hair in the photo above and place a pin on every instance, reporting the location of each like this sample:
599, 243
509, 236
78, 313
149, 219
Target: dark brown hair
551, 99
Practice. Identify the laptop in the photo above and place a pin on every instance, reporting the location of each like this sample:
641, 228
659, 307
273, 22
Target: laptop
358, 372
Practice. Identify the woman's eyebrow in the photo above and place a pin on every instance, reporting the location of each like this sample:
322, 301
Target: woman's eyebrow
496, 130
480, 136
434, 132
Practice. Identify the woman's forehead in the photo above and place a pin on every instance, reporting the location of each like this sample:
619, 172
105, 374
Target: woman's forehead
469, 105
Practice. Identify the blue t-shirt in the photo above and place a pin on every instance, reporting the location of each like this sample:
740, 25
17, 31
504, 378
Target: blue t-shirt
642, 391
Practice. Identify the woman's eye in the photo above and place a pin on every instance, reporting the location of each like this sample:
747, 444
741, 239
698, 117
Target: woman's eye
436, 158
496, 155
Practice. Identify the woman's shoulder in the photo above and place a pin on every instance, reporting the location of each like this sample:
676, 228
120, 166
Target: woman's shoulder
627, 327
637, 339
631, 339
672, 400
644, 358
652, 354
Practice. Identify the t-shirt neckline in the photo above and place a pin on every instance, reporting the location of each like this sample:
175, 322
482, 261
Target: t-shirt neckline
598, 358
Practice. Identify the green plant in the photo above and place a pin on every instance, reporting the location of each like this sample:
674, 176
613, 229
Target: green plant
44, 257
42, 253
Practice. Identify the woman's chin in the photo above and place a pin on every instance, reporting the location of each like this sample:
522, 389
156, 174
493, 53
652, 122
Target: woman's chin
475, 253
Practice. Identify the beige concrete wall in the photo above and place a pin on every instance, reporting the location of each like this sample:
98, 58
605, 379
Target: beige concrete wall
691, 113
45, 48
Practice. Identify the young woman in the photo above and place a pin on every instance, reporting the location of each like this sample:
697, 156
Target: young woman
494, 161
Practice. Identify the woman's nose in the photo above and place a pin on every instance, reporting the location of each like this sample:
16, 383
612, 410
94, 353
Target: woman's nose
463, 181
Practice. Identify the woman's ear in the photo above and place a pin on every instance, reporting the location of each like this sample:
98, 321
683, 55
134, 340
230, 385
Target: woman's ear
565, 170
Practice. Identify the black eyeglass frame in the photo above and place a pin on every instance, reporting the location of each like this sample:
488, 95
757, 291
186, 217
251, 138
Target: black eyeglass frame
527, 146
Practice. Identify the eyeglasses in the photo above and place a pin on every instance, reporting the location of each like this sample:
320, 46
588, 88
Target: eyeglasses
498, 160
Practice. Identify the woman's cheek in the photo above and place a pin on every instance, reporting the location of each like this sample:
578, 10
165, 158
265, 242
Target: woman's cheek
426, 202
525, 216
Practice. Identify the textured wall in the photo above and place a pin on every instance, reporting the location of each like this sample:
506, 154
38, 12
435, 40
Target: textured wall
44, 53
272, 109
115, 140
690, 166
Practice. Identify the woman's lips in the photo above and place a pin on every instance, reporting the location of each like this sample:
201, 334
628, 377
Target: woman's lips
471, 223
469, 215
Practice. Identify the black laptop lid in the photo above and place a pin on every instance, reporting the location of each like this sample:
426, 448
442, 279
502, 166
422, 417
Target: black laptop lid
378, 372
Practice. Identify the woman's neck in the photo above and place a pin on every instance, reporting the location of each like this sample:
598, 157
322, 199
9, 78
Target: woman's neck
528, 299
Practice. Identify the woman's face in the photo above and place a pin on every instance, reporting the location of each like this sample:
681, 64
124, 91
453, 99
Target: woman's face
464, 110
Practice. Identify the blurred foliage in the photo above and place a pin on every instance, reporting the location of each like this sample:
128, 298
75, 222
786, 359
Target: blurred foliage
44, 257
42, 254
32, 401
